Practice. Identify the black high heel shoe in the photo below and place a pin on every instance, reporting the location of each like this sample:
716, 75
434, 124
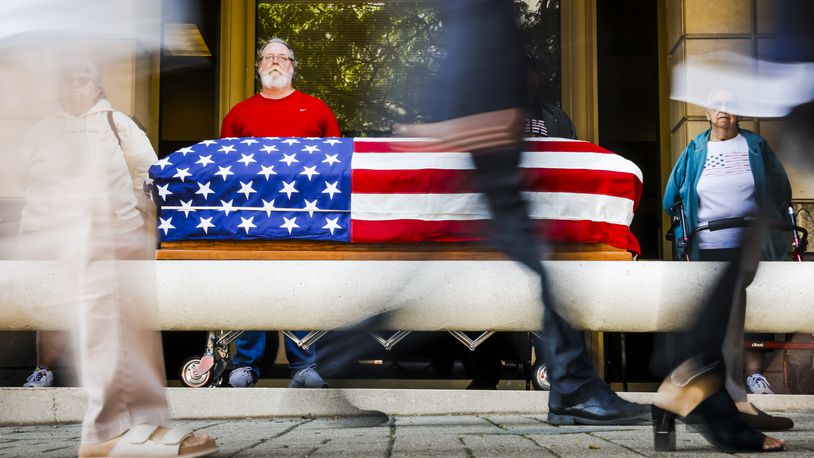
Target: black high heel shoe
664, 429
717, 419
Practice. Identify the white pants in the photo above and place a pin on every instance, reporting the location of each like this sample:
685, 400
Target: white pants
120, 357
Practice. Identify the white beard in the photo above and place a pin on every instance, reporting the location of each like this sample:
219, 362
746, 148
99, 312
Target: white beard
280, 81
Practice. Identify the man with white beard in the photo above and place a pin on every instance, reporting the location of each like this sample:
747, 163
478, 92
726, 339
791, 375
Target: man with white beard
278, 110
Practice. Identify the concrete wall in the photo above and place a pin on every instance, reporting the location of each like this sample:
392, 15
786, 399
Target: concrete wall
644, 296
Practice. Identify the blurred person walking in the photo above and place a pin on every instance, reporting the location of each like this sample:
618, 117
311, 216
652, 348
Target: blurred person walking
482, 108
695, 389
723, 173
83, 168
543, 119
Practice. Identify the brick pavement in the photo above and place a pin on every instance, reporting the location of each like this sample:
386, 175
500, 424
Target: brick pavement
463, 436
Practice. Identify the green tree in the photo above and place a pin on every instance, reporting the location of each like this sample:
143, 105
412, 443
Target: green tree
369, 61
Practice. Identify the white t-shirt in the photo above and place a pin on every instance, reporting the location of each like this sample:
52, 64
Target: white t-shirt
726, 189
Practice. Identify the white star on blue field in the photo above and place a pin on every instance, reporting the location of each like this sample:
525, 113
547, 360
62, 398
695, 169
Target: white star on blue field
254, 188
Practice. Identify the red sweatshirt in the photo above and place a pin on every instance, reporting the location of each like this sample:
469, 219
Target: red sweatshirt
296, 115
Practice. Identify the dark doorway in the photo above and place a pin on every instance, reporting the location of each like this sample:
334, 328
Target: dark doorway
188, 107
188, 111
627, 57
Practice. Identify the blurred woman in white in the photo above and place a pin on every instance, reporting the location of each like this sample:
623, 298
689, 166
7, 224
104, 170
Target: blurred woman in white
82, 168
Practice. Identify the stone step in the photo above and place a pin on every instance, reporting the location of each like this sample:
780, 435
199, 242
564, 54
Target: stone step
66, 405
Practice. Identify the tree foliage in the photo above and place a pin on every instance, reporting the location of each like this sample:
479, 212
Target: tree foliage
370, 61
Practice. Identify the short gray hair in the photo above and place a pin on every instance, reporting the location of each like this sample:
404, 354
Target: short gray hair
272, 41
86, 66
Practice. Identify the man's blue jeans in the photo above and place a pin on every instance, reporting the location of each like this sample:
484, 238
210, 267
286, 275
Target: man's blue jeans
484, 72
251, 346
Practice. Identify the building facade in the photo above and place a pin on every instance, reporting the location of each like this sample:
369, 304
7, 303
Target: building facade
615, 61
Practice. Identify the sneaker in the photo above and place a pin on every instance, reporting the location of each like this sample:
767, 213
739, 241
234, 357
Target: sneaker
41, 378
307, 378
242, 377
757, 384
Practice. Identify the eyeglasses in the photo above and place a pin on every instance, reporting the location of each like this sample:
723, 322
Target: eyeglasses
721, 106
276, 57
76, 81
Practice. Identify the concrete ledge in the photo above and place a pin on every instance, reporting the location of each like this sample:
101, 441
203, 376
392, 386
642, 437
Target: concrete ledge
645, 296
66, 405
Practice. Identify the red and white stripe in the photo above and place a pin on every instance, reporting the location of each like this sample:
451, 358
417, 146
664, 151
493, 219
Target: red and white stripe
578, 191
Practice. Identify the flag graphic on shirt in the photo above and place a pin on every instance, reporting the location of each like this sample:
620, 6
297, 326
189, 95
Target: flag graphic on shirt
727, 163
369, 190
535, 128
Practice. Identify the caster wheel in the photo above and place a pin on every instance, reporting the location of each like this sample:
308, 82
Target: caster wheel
188, 378
539, 378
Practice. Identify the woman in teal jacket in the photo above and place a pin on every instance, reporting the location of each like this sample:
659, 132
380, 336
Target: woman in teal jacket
711, 178
771, 186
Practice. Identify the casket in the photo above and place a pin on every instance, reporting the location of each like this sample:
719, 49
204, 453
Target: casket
363, 198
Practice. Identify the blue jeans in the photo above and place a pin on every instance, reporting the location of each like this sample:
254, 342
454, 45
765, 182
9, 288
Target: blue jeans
480, 30
251, 346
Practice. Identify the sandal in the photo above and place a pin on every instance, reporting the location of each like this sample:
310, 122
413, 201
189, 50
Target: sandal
696, 396
148, 440
718, 420
766, 422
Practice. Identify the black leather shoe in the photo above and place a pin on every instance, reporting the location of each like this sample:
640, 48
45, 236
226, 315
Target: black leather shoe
603, 409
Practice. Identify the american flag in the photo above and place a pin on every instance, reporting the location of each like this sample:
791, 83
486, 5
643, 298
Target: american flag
369, 190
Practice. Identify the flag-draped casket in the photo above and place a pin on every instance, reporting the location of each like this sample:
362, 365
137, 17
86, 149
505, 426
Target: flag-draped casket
378, 190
